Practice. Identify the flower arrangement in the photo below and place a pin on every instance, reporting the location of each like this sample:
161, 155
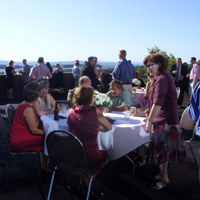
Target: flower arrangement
101, 100
136, 82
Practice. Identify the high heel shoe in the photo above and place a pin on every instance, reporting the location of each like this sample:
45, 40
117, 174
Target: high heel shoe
160, 185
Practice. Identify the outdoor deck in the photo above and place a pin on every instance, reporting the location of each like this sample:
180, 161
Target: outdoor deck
119, 180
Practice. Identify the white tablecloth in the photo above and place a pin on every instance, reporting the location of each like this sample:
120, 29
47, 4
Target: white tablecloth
125, 136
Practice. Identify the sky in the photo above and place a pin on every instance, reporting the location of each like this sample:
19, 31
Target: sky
66, 30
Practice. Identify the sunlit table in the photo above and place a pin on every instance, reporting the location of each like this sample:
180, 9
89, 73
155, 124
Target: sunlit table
125, 136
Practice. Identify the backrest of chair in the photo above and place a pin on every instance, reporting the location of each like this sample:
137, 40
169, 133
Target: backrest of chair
64, 147
10, 111
4, 133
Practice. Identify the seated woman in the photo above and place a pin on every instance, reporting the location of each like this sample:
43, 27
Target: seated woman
105, 79
84, 121
45, 103
25, 134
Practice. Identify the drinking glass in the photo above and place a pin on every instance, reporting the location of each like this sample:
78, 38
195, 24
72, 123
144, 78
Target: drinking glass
127, 114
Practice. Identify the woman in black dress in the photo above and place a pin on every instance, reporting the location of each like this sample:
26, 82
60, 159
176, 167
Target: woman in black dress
10, 71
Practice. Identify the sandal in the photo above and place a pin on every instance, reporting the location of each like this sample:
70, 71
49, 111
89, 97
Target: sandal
160, 185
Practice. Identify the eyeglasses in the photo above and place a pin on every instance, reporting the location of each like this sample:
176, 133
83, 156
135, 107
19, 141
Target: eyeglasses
150, 65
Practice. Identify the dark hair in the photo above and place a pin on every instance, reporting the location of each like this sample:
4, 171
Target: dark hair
193, 58
11, 62
90, 58
40, 60
106, 78
83, 95
116, 82
157, 58
31, 91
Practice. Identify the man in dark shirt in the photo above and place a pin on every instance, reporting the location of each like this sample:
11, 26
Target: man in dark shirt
88, 70
179, 72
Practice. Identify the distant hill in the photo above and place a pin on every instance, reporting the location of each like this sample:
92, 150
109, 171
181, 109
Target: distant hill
103, 63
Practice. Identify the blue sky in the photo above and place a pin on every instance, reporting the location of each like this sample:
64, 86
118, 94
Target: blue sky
75, 29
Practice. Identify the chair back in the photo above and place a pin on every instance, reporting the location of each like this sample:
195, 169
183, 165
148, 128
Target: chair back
65, 148
4, 134
10, 111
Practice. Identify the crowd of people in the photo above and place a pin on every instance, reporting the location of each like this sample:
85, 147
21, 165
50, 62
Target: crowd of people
162, 122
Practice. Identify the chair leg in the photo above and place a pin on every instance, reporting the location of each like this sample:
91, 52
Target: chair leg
192, 153
51, 184
89, 188
7, 167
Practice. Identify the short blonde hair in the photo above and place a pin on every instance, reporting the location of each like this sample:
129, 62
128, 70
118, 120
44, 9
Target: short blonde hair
122, 53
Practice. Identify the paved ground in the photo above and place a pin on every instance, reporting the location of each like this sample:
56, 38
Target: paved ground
119, 180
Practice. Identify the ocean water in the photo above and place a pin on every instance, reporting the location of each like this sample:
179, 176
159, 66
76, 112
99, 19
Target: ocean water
69, 68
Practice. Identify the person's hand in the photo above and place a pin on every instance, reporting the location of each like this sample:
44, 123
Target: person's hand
148, 126
188, 75
175, 72
100, 67
146, 112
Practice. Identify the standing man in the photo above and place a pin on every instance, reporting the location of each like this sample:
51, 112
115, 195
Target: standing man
25, 72
40, 70
88, 70
179, 72
76, 72
124, 71
194, 74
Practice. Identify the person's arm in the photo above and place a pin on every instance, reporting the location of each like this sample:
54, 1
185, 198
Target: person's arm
39, 110
32, 75
96, 72
70, 98
118, 108
116, 71
53, 102
152, 114
30, 117
103, 121
26, 70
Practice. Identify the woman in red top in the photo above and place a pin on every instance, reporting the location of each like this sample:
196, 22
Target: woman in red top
163, 120
25, 134
84, 121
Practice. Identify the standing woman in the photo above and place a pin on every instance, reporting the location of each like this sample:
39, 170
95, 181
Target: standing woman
10, 71
162, 121
59, 78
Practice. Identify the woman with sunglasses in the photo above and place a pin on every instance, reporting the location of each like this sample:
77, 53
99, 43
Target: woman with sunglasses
162, 122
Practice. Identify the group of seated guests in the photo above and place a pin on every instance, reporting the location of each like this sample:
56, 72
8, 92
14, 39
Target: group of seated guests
27, 133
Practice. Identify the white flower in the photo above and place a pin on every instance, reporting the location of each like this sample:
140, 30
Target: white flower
136, 82
101, 100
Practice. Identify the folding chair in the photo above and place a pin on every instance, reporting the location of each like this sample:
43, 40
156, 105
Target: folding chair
10, 111
188, 125
13, 154
66, 154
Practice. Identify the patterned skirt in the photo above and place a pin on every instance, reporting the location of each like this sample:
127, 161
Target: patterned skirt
167, 144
